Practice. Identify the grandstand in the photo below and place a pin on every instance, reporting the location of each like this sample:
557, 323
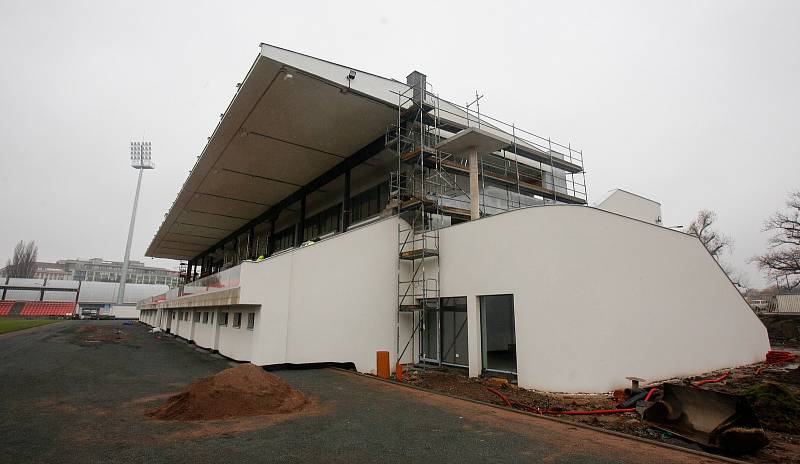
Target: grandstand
48, 309
66, 298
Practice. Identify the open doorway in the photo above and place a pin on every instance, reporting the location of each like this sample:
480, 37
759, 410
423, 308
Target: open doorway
498, 334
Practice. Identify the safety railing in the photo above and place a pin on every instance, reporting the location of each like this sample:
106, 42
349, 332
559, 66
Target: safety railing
223, 280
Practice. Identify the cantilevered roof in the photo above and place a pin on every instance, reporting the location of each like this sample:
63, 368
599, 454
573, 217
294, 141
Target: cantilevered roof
293, 118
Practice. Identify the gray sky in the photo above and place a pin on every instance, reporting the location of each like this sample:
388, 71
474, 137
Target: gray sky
693, 104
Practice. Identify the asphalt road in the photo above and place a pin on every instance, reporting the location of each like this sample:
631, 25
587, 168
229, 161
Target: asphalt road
64, 399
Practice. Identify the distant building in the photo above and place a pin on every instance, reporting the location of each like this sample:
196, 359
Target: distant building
100, 270
787, 303
631, 205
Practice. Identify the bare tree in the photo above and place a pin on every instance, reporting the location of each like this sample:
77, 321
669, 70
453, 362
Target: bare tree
782, 261
23, 264
715, 242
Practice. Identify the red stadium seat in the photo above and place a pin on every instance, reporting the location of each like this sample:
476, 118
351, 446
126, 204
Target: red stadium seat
5, 307
48, 308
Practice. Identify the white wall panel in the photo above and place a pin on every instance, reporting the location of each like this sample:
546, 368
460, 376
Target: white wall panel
598, 297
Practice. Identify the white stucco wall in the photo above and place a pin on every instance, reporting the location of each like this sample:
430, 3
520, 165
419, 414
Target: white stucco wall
599, 297
236, 342
334, 301
632, 206
204, 332
183, 328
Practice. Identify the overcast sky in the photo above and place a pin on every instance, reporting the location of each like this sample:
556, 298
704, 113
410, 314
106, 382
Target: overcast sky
692, 104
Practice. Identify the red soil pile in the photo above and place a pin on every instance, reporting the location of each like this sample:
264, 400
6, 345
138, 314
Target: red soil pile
244, 390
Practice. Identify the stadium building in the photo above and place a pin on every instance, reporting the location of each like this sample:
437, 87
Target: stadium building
335, 213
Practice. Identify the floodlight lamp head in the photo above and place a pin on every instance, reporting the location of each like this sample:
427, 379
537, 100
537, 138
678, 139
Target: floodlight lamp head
141, 155
351, 75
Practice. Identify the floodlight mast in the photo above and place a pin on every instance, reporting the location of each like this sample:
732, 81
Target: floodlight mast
141, 160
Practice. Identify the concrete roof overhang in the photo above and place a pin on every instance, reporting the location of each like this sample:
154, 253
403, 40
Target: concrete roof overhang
473, 138
293, 119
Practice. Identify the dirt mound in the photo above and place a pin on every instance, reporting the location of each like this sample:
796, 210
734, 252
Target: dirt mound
244, 390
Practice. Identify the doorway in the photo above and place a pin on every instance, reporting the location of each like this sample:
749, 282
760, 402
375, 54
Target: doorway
498, 334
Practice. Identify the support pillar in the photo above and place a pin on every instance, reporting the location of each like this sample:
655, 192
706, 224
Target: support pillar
251, 249
474, 191
347, 214
271, 237
474, 337
301, 223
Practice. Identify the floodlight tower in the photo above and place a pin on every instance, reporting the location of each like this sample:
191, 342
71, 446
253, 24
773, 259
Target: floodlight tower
140, 159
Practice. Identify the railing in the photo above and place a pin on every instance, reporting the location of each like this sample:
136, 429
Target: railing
468, 117
224, 280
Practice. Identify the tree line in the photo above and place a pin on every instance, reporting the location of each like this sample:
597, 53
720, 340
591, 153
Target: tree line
781, 261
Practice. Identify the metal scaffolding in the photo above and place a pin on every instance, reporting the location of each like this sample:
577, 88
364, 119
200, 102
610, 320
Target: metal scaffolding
430, 190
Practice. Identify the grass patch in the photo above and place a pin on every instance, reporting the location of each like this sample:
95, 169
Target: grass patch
776, 407
12, 325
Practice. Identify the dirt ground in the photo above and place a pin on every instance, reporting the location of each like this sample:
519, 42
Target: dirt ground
68, 399
783, 447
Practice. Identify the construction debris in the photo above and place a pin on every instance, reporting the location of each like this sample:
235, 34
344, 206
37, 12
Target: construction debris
244, 390
712, 419
774, 406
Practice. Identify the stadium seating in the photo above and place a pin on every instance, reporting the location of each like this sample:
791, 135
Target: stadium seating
5, 307
48, 308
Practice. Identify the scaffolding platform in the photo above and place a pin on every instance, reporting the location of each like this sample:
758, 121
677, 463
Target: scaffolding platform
407, 308
421, 253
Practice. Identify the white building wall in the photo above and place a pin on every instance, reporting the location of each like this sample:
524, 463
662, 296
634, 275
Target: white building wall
598, 297
632, 206
125, 312
204, 331
334, 301
235, 342
183, 328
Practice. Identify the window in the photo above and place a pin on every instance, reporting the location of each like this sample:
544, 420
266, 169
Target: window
370, 202
205, 317
284, 239
223, 319
173, 315
322, 223
197, 316
237, 319
251, 320
211, 318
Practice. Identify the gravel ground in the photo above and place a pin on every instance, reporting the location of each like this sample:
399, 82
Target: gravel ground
76, 394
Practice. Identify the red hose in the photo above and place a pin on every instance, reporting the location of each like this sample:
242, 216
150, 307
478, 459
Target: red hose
650, 393
505, 400
718, 379
776, 358
780, 357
